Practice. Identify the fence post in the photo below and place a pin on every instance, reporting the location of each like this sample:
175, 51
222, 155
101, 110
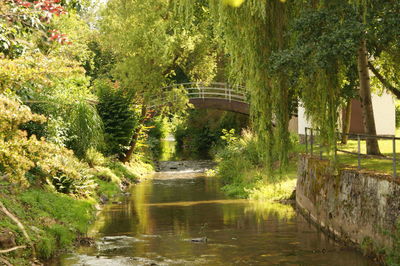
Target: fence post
335, 158
306, 140
359, 151
394, 157
312, 141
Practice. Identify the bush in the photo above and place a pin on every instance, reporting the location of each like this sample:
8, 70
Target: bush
243, 171
106, 174
200, 132
119, 119
94, 158
86, 128
122, 170
19, 155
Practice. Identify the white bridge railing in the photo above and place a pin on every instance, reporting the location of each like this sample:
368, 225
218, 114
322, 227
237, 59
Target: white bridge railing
214, 90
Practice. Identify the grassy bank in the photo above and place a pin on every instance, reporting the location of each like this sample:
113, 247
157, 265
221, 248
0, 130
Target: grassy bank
56, 221
244, 174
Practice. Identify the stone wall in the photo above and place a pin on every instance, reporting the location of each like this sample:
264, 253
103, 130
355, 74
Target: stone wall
356, 206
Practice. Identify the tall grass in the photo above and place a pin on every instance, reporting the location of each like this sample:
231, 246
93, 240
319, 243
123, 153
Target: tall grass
244, 174
86, 128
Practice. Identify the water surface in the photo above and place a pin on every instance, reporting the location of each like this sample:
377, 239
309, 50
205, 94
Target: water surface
182, 218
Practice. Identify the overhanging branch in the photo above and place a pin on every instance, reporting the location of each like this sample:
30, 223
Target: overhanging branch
384, 82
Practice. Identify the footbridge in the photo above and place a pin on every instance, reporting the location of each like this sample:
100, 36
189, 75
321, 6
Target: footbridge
215, 95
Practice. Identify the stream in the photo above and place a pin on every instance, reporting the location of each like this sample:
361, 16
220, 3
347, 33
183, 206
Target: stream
180, 217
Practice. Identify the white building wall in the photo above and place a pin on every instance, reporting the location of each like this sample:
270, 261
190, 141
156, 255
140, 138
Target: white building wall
384, 114
302, 121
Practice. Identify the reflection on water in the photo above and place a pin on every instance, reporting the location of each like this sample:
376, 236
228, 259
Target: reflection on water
188, 221
167, 149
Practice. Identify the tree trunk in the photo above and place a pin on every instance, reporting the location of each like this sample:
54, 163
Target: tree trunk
366, 101
135, 137
346, 122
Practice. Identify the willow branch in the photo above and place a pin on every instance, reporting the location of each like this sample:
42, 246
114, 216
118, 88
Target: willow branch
2, 251
20, 225
384, 81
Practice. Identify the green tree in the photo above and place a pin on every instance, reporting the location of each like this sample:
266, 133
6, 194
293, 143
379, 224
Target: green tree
118, 117
150, 46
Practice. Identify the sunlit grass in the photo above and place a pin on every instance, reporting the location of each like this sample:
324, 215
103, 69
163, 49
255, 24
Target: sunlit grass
373, 163
273, 191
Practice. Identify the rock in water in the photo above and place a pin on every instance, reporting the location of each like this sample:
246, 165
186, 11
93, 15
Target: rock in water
200, 239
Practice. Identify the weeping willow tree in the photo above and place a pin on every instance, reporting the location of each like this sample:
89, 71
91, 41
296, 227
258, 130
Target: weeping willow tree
321, 61
278, 57
250, 31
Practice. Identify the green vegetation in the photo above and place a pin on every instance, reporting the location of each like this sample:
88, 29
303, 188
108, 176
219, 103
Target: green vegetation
59, 148
244, 174
85, 96
199, 133
372, 163
49, 188
52, 220
393, 258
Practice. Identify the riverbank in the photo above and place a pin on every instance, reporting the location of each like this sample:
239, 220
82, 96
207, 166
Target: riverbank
242, 170
358, 207
54, 221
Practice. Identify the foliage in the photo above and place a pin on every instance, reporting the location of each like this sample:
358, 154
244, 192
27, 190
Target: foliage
321, 62
37, 73
55, 87
138, 32
86, 128
106, 174
238, 164
256, 30
46, 220
302, 50
159, 128
201, 130
153, 48
229, 136
393, 258
79, 37
30, 21
94, 158
20, 154
244, 174
103, 60
118, 117
281, 190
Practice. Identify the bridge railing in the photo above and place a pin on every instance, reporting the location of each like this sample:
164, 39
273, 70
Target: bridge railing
215, 90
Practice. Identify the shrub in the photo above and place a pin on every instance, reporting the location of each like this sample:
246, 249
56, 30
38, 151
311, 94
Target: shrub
94, 157
106, 174
20, 154
201, 130
118, 117
242, 170
123, 170
86, 128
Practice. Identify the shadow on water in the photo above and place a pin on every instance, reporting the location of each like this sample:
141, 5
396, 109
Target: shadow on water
167, 150
180, 217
